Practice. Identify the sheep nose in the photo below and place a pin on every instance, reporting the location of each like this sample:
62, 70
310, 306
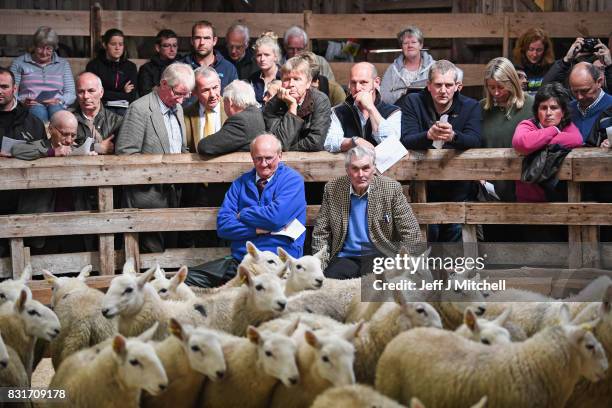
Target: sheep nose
220, 374
105, 312
293, 380
162, 387
281, 304
56, 331
480, 311
319, 282
4, 363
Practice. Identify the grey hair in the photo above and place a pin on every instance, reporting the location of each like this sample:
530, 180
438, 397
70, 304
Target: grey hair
240, 93
358, 152
63, 117
442, 67
459, 74
98, 80
411, 31
295, 31
179, 73
298, 63
242, 29
205, 72
45, 36
268, 42
278, 142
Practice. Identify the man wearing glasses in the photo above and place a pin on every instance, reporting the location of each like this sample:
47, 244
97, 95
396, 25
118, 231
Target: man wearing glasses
203, 41
166, 49
262, 202
238, 52
154, 124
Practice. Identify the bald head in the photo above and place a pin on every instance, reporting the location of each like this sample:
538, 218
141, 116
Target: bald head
89, 93
63, 129
266, 140
63, 119
363, 78
585, 82
266, 152
365, 66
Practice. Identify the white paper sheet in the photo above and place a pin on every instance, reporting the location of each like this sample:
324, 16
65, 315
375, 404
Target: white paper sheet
491, 189
84, 149
8, 143
122, 103
389, 152
439, 143
292, 230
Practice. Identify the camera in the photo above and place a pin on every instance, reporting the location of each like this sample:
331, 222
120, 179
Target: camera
589, 45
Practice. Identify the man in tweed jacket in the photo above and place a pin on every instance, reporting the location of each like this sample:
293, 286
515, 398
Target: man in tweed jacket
363, 215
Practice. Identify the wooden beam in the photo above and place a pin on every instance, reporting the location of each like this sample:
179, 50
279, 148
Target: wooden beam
574, 194
26, 22
374, 6
106, 241
562, 24
18, 257
538, 214
95, 29
132, 249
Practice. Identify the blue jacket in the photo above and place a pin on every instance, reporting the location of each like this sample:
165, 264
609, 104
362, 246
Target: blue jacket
226, 70
282, 201
418, 115
585, 123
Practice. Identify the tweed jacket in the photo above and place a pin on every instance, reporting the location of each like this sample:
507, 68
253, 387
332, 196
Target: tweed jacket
391, 222
192, 122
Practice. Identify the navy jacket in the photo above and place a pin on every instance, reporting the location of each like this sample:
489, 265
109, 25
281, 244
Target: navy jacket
226, 70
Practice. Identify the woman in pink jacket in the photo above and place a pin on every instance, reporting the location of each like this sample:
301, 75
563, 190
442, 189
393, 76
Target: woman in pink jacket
550, 125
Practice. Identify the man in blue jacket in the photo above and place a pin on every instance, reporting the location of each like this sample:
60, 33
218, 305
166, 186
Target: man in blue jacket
263, 201
440, 117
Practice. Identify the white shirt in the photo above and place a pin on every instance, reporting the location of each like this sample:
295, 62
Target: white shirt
390, 127
173, 128
216, 119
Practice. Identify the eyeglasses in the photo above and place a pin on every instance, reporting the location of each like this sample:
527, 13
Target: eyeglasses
180, 94
265, 159
65, 135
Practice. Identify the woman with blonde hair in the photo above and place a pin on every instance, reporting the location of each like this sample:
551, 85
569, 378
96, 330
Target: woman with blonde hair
267, 57
534, 54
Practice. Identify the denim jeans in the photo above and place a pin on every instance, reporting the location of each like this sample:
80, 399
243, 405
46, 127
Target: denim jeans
44, 112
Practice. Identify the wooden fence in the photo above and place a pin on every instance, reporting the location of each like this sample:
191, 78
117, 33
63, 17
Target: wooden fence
318, 26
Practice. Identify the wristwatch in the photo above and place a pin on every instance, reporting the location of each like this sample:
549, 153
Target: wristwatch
354, 140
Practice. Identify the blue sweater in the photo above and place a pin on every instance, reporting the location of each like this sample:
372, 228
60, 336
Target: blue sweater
357, 242
282, 201
585, 123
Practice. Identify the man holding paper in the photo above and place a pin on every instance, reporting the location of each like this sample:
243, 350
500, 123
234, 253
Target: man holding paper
363, 119
363, 216
266, 205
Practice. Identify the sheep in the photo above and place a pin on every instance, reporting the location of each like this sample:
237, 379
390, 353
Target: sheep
78, 308
114, 377
259, 300
416, 403
138, 306
11, 288
254, 367
189, 356
12, 373
173, 288
304, 273
483, 330
438, 367
325, 359
354, 396
588, 394
29, 321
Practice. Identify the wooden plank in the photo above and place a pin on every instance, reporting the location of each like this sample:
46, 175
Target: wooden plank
562, 24
470, 241
26, 22
374, 6
591, 253
106, 241
539, 213
95, 28
131, 248
148, 23
506, 37
77, 65
420, 196
521, 254
18, 256
574, 239
328, 26
592, 167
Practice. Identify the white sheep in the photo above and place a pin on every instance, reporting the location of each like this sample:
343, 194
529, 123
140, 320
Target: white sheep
439, 367
484, 331
304, 273
354, 396
138, 306
589, 394
11, 288
325, 359
254, 367
261, 298
29, 321
173, 288
12, 371
78, 308
189, 356
113, 377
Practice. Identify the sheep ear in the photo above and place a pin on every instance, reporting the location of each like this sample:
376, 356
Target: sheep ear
119, 346
245, 275
179, 277
148, 334
353, 331
503, 317
321, 253
145, 277
564, 314
176, 329
289, 330
84, 272
21, 301
482, 403
416, 403
129, 267
253, 335
469, 318
312, 339
252, 250
49, 277
159, 274
282, 254
26, 274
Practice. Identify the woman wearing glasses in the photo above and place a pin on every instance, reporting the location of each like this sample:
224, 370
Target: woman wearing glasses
44, 80
118, 74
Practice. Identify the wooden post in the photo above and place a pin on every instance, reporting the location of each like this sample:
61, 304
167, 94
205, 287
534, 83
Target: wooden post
307, 19
574, 231
506, 43
469, 237
591, 255
419, 195
106, 241
18, 257
95, 27
131, 248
